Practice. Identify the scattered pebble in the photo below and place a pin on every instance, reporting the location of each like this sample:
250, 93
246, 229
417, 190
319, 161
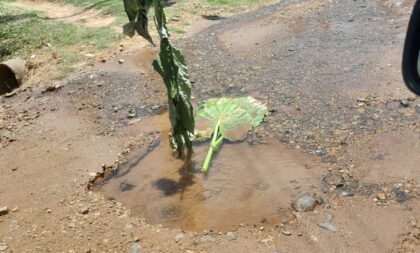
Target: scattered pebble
4, 210
3, 247
328, 226
207, 238
286, 232
135, 248
84, 210
328, 217
381, 196
304, 203
179, 237
89, 55
10, 94
132, 113
230, 236
120, 61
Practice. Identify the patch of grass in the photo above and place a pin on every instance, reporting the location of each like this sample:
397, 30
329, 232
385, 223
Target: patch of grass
22, 32
114, 7
176, 30
233, 1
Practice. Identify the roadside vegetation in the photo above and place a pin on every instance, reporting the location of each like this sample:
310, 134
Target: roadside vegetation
25, 33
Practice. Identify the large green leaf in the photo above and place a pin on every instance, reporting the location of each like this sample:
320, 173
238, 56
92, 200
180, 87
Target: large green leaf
229, 118
171, 66
137, 15
234, 116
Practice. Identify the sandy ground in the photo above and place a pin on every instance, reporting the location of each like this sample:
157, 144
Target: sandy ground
329, 73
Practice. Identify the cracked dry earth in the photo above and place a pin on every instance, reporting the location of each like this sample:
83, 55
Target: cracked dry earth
329, 72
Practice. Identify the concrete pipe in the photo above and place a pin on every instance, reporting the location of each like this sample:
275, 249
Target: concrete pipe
11, 75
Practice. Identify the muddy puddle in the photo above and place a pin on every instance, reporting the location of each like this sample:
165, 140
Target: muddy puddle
246, 183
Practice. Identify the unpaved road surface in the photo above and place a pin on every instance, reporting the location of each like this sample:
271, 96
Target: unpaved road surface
329, 72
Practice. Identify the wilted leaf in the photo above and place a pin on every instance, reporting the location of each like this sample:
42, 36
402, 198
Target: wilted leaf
171, 66
137, 14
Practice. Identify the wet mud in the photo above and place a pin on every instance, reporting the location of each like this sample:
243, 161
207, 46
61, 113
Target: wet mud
246, 183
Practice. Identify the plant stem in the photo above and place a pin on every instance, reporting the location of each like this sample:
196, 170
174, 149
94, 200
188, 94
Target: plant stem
215, 142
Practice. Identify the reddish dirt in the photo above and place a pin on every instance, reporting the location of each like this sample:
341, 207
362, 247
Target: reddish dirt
53, 140
67, 13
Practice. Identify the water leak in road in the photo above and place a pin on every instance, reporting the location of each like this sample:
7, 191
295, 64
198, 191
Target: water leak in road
245, 184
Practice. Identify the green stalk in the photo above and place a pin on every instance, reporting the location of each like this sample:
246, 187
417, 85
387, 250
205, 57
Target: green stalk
215, 143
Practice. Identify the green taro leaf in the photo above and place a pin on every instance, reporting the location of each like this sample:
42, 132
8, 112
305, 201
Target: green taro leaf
137, 15
171, 66
227, 118
235, 116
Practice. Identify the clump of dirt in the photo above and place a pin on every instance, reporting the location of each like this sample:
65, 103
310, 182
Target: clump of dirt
67, 13
245, 184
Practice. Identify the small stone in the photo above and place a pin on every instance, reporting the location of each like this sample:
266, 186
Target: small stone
132, 114
10, 94
207, 238
84, 210
189, 251
179, 237
286, 232
261, 228
328, 217
72, 225
304, 203
404, 103
347, 194
120, 61
230, 236
48, 210
135, 248
3, 247
4, 210
89, 55
381, 196
328, 226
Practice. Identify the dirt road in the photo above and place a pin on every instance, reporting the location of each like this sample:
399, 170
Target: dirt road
340, 115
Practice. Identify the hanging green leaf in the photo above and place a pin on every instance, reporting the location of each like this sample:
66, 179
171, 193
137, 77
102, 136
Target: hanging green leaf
171, 66
227, 118
137, 14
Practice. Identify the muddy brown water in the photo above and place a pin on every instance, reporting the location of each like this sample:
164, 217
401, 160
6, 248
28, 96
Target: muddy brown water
245, 183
